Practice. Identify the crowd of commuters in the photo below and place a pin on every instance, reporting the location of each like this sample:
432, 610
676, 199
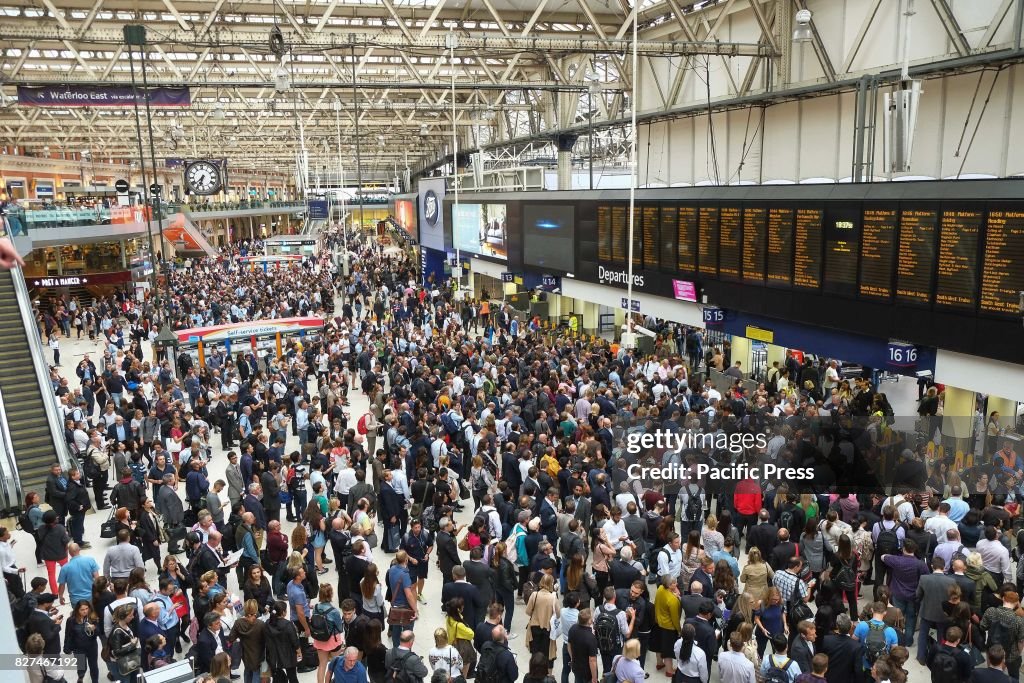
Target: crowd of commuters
321, 544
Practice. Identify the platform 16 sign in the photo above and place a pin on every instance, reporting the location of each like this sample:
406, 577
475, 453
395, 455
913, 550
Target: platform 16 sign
902, 355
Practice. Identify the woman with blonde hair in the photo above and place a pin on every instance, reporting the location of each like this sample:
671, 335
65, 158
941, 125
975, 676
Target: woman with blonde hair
757, 573
542, 606
627, 668
443, 656
712, 540
327, 642
750, 649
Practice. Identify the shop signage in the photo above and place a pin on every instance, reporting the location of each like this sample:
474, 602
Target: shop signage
760, 334
79, 280
257, 328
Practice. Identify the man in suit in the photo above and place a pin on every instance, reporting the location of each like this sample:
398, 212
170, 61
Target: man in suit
480, 575
168, 504
204, 556
57, 491
778, 560
704, 574
149, 622
392, 508
583, 505
691, 601
762, 535
932, 591
120, 432
845, 653
40, 621
473, 603
802, 649
77, 502
621, 570
447, 549
271, 491
706, 638
549, 516
253, 504
210, 641
236, 482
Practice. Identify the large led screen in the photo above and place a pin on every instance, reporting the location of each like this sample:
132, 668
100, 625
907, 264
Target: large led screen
431, 194
549, 236
480, 229
405, 214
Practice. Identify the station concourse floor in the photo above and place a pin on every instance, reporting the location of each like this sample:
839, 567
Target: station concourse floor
72, 351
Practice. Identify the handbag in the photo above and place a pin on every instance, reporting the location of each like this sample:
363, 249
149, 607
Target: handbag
399, 616
109, 528
394, 538
612, 676
555, 627
798, 609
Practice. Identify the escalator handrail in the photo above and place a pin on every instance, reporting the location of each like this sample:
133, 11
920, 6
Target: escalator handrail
35, 345
10, 484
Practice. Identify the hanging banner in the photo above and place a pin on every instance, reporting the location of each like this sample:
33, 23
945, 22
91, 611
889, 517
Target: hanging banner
318, 209
72, 95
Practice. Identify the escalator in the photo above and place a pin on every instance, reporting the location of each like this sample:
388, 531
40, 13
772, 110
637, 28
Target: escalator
29, 419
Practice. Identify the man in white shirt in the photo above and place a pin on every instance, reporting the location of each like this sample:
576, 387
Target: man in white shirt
670, 558
733, 665
995, 558
938, 525
831, 376
346, 480
903, 507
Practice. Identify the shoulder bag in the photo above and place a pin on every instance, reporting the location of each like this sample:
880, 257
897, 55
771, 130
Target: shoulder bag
399, 616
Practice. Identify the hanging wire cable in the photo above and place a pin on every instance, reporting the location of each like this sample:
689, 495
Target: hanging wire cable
977, 125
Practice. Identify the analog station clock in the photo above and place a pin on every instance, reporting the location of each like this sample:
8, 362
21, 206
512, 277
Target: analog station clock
203, 177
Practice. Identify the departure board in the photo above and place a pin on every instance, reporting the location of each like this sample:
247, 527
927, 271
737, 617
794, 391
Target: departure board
958, 259
730, 228
707, 247
652, 232
669, 237
1002, 278
620, 230
807, 249
917, 256
604, 233
638, 237
779, 268
687, 234
755, 239
877, 251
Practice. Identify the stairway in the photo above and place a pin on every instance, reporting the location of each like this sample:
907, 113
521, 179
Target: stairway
23, 399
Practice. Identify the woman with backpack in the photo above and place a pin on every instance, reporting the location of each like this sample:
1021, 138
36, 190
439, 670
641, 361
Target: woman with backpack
543, 604
34, 516
326, 626
283, 648
843, 576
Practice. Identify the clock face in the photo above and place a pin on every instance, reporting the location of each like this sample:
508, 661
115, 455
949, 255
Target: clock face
203, 177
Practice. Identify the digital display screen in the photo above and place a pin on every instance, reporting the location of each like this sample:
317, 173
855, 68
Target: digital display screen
405, 215
842, 249
480, 229
620, 231
707, 247
958, 259
604, 233
549, 233
807, 249
755, 228
877, 251
917, 256
669, 237
1002, 278
687, 245
779, 264
638, 237
730, 228
651, 233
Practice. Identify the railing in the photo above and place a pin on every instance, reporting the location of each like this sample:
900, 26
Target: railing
20, 221
11, 493
241, 206
35, 345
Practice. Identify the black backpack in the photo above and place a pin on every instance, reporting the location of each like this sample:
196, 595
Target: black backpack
997, 634
21, 609
487, 666
25, 522
874, 642
694, 505
777, 674
320, 627
944, 666
606, 628
887, 542
396, 673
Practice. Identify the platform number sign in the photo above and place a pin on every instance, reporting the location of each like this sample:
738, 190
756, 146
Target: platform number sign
508, 277
902, 355
713, 316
